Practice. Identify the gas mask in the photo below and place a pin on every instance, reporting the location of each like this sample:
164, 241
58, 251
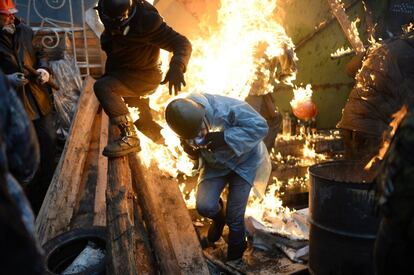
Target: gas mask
199, 141
10, 28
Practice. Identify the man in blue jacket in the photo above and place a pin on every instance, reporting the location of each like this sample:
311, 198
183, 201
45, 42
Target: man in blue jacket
227, 135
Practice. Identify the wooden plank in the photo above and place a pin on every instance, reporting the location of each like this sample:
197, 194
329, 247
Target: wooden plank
180, 227
102, 179
83, 213
127, 245
150, 204
143, 257
57, 209
168, 220
120, 227
350, 31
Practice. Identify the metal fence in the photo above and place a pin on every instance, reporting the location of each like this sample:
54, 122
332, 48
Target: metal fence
56, 17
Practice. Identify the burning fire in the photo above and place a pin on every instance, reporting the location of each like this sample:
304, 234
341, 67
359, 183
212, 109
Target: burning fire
310, 155
301, 95
342, 52
271, 213
397, 118
219, 66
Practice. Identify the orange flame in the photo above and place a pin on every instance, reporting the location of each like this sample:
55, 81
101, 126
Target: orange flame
397, 118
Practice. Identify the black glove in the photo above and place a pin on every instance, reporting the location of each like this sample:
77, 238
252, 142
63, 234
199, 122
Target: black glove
190, 151
215, 140
174, 77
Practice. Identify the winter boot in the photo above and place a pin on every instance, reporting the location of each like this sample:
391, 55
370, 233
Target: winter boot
235, 252
216, 228
128, 141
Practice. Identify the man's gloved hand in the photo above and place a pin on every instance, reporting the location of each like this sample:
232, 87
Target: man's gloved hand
215, 140
43, 76
190, 151
174, 77
17, 79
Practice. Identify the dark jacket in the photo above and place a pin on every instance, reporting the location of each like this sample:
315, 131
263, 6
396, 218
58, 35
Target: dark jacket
384, 84
16, 51
139, 49
17, 132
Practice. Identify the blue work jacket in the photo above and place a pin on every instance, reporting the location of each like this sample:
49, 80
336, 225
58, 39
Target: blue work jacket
244, 130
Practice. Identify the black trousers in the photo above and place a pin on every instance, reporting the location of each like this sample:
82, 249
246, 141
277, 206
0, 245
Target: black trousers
115, 89
111, 88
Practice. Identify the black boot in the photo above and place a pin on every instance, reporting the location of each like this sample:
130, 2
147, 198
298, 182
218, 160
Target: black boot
150, 129
216, 228
235, 252
128, 141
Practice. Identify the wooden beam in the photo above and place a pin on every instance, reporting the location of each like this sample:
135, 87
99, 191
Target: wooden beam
180, 227
120, 226
83, 213
350, 31
102, 179
143, 257
127, 243
168, 220
57, 209
144, 184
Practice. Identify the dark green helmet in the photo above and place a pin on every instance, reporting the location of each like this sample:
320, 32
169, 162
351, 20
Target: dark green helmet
185, 117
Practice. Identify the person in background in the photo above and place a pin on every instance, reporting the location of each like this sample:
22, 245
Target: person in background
226, 134
383, 85
16, 54
19, 159
271, 71
133, 36
393, 247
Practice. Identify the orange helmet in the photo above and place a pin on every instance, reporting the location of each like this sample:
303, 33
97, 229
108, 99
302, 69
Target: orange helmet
305, 110
7, 7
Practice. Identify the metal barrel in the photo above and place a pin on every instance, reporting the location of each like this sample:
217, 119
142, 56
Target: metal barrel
343, 224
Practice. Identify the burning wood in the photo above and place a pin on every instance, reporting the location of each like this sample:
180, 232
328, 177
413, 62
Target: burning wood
349, 28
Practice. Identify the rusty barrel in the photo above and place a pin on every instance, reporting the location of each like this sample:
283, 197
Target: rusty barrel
343, 224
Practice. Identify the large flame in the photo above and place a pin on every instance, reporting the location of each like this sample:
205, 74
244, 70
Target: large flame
224, 61
220, 66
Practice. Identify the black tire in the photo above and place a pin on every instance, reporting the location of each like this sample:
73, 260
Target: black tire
63, 249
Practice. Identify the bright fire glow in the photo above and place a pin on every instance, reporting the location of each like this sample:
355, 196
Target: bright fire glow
397, 118
271, 213
341, 52
224, 61
301, 95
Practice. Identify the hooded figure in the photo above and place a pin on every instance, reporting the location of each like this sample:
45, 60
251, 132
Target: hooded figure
226, 134
133, 36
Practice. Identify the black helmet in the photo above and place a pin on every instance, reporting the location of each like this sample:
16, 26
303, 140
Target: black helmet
117, 12
185, 117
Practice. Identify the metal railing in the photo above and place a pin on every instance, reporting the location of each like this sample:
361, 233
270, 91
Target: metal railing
42, 20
